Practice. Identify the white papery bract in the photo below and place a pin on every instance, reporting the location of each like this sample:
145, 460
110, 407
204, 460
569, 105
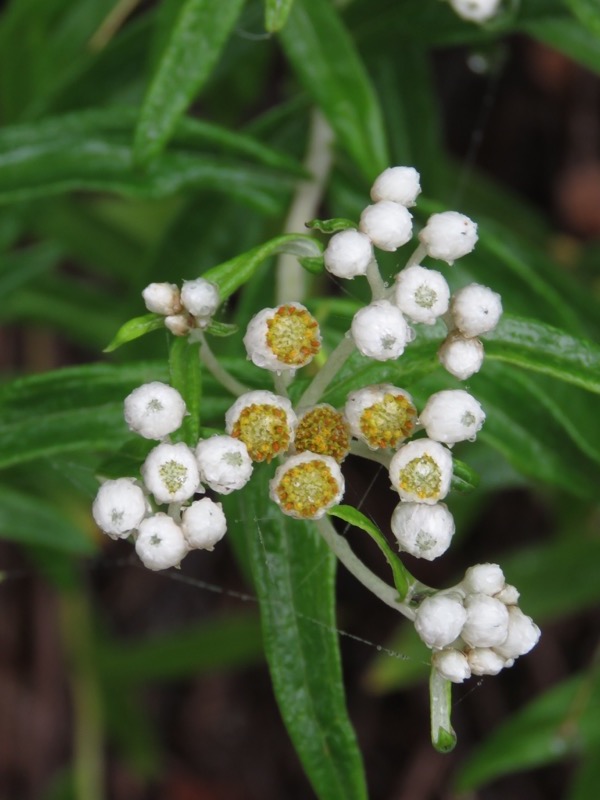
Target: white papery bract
201, 298
160, 542
398, 184
476, 10
282, 338
421, 471
119, 507
162, 298
523, 634
451, 416
439, 619
381, 415
509, 595
475, 310
449, 236
388, 225
484, 661
179, 324
264, 421
452, 665
423, 531
224, 463
460, 356
348, 254
487, 621
483, 579
422, 294
306, 485
170, 473
203, 524
154, 410
380, 331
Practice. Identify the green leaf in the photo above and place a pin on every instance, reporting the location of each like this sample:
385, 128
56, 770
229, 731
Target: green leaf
221, 329
464, 479
186, 377
194, 45
276, 14
324, 57
134, 328
587, 779
293, 574
330, 225
402, 578
313, 265
568, 36
588, 13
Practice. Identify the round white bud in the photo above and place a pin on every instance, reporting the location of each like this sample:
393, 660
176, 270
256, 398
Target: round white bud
203, 524
484, 661
160, 543
306, 485
423, 531
452, 665
119, 507
439, 619
224, 463
452, 415
509, 595
487, 621
154, 410
282, 338
523, 634
265, 422
398, 184
421, 471
170, 473
476, 10
178, 324
348, 254
380, 331
201, 298
388, 225
461, 357
381, 415
475, 310
162, 298
449, 236
483, 579
422, 294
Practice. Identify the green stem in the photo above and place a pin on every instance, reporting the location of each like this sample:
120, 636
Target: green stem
443, 737
219, 372
376, 282
380, 456
327, 373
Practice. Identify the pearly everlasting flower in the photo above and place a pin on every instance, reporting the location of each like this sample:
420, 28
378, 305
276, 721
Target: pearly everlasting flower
323, 430
170, 473
160, 543
380, 331
452, 416
449, 236
452, 665
421, 471
487, 621
223, 463
388, 225
483, 661
422, 294
306, 485
201, 298
119, 507
483, 579
509, 595
476, 10
423, 531
154, 410
179, 324
398, 184
348, 254
203, 524
439, 619
265, 422
381, 415
475, 310
162, 298
282, 338
461, 357
523, 634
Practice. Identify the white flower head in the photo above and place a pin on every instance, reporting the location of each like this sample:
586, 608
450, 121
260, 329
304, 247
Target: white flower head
449, 236
179, 324
476, 10
422, 294
452, 665
484, 579
380, 331
201, 298
484, 661
162, 298
224, 463
460, 356
265, 423
439, 619
160, 543
487, 621
523, 634
119, 507
421, 471
170, 473
381, 415
323, 430
509, 595
423, 531
388, 225
452, 415
282, 338
203, 524
398, 184
348, 254
306, 485
154, 410
475, 310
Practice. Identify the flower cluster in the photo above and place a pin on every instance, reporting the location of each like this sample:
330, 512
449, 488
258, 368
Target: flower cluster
185, 309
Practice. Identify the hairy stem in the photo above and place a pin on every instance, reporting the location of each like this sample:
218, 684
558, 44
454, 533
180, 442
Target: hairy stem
315, 390
219, 372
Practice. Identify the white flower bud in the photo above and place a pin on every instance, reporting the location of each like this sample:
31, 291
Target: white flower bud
306, 485
380, 331
160, 543
162, 298
170, 473
487, 621
178, 324
381, 415
282, 338
423, 531
461, 357
452, 665
388, 225
154, 410
224, 463
398, 184
422, 294
509, 595
439, 619
483, 579
483, 661
421, 471
449, 236
523, 634
119, 507
201, 298
348, 254
475, 310
475, 10
452, 415
265, 422
203, 524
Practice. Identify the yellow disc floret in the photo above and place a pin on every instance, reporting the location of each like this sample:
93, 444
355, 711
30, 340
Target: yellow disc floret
264, 430
421, 477
323, 430
388, 421
293, 335
307, 485
421, 471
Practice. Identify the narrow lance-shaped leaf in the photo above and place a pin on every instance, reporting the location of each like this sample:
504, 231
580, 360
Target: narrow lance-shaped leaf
186, 377
134, 328
588, 13
276, 14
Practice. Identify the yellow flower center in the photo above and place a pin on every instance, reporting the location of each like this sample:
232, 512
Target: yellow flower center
389, 421
293, 335
324, 431
307, 489
173, 475
421, 477
264, 429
